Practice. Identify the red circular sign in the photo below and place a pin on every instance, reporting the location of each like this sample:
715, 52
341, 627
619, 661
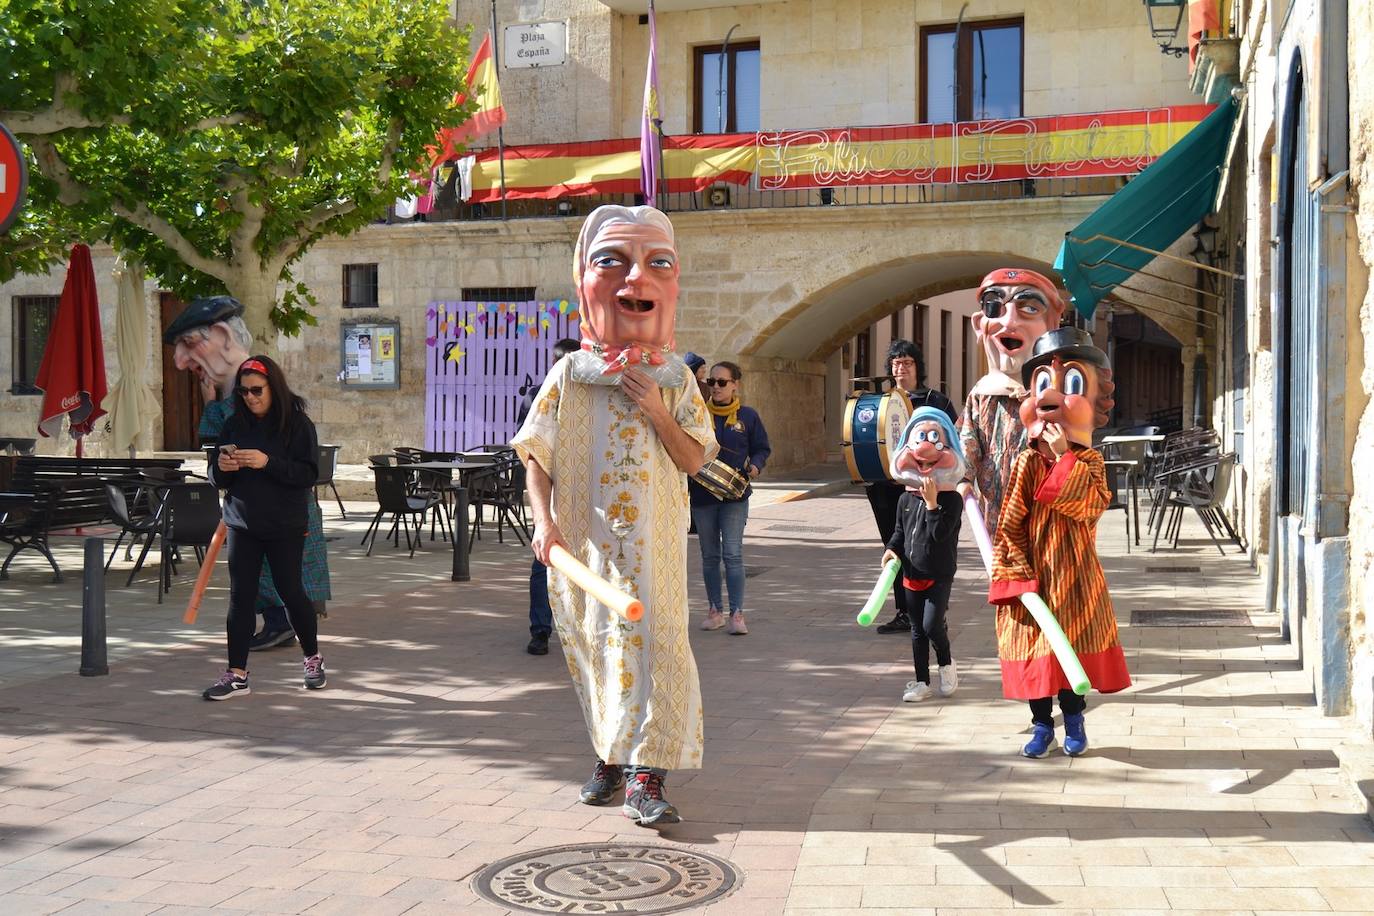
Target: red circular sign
14, 177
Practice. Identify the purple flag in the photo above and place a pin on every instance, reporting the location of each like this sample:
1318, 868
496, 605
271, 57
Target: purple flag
649, 137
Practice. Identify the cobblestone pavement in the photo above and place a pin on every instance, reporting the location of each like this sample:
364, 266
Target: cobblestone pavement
440, 746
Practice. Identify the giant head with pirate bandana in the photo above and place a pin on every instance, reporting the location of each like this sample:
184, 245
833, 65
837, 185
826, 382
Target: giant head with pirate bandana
1015, 307
626, 269
1070, 385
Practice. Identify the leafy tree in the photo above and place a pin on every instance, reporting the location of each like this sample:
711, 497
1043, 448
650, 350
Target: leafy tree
217, 140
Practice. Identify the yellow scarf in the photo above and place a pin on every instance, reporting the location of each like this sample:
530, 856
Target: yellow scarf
729, 411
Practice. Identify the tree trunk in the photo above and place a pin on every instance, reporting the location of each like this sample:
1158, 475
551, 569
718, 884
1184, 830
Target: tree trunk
258, 293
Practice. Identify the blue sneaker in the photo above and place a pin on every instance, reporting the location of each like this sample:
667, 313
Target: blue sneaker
1075, 738
1041, 742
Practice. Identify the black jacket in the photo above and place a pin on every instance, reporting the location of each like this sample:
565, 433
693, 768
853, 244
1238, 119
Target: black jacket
927, 540
271, 502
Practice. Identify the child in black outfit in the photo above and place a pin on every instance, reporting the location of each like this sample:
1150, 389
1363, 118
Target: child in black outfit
930, 462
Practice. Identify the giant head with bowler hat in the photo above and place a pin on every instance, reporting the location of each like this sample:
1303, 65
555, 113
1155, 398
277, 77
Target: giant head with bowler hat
1070, 384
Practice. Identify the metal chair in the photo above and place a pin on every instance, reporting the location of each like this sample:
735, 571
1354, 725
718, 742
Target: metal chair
393, 496
144, 525
327, 461
1120, 482
1203, 488
190, 516
502, 487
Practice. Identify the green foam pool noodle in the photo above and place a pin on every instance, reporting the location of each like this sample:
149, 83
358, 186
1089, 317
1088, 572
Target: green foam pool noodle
879, 597
1063, 652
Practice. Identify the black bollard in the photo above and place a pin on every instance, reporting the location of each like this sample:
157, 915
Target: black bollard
460, 535
93, 659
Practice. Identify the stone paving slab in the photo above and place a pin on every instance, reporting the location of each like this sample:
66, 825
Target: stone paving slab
1213, 784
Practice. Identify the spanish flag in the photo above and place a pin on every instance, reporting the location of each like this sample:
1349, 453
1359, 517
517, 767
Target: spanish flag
481, 84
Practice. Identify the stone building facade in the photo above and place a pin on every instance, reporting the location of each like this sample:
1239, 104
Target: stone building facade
783, 286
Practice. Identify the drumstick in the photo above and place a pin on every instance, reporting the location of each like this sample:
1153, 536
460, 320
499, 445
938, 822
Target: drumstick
880, 591
626, 606
203, 580
1039, 610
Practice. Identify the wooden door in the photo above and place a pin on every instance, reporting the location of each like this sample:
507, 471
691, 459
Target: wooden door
180, 394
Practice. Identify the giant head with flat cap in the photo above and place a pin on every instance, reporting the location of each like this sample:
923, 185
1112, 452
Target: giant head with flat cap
210, 339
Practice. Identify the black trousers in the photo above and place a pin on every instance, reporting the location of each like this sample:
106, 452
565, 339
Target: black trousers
882, 499
283, 556
1070, 704
927, 615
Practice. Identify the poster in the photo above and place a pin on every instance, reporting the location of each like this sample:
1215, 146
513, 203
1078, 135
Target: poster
370, 354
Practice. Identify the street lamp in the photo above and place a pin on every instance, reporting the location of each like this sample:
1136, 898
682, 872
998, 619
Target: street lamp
1165, 16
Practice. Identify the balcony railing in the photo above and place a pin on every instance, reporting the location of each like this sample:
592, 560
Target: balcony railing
1059, 156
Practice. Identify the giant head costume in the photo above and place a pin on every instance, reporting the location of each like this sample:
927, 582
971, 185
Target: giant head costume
928, 447
210, 339
626, 269
1070, 384
1016, 306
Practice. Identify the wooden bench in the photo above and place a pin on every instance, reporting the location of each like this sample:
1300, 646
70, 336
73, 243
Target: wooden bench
50, 494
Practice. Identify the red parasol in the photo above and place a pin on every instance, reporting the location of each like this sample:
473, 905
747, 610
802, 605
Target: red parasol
72, 374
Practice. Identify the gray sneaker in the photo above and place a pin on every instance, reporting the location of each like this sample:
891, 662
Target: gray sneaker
644, 801
605, 782
314, 672
228, 685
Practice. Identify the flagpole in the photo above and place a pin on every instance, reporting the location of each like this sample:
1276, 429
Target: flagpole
500, 131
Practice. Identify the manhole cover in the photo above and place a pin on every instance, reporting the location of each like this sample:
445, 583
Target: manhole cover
1190, 619
606, 878
1173, 569
809, 529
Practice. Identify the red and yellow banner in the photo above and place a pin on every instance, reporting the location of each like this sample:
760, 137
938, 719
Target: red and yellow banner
1061, 146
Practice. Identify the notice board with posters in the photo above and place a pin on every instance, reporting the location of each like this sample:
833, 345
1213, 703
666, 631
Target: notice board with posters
370, 354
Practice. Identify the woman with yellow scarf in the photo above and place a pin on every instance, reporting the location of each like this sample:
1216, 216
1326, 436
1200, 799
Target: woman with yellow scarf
720, 522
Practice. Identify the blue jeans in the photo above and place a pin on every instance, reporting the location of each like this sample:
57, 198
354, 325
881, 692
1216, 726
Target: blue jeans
720, 529
541, 616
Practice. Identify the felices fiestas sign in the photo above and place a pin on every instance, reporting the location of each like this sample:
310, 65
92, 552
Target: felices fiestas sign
535, 44
14, 178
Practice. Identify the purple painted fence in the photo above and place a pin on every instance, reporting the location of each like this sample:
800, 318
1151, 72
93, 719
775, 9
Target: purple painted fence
478, 355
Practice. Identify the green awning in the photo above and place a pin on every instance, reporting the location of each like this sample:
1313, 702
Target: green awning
1148, 215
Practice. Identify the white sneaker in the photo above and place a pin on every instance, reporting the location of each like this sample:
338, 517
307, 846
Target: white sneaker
949, 679
916, 691
714, 620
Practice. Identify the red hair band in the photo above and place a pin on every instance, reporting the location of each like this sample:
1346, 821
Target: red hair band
252, 365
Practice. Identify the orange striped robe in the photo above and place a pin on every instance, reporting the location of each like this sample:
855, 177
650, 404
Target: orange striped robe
1047, 543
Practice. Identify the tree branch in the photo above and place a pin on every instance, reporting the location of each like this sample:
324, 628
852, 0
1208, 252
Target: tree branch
72, 192
324, 212
60, 116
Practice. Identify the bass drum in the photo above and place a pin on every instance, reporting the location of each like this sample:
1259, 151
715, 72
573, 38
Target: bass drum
873, 423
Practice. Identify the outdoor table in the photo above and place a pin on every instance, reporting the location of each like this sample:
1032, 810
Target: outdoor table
1108, 440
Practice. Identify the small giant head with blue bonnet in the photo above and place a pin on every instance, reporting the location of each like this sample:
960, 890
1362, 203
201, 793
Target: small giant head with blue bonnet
929, 448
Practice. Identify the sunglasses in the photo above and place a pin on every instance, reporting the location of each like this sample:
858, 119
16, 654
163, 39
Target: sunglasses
720, 382
255, 390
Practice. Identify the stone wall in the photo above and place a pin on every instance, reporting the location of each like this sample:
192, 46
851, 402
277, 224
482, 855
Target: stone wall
1361, 69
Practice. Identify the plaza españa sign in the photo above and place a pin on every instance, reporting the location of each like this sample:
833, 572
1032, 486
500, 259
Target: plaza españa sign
535, 44
14, 178
1061, 146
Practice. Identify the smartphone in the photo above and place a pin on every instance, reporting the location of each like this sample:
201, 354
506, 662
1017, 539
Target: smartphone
228, 449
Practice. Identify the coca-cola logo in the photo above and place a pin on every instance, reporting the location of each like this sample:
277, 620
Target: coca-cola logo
70, 401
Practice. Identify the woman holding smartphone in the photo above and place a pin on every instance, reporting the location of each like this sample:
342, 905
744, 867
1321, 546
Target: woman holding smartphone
267, 465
